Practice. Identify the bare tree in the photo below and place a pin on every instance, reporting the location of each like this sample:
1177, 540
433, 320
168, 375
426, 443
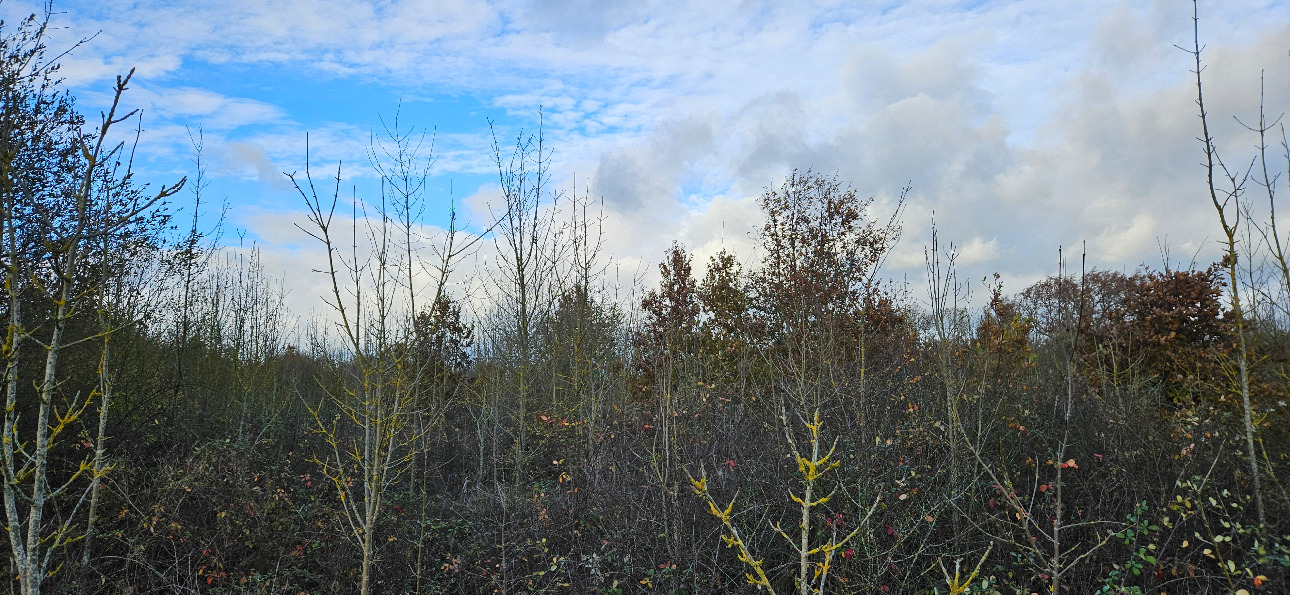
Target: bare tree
379, 420
1227, 204
65, 216
122, 256
402, 158
525, 270
367, 437
946, 299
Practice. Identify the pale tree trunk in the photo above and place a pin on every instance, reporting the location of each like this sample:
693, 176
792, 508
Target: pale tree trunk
1212, 161
100, 444
14, 336
27, 492
366, 586
33, 573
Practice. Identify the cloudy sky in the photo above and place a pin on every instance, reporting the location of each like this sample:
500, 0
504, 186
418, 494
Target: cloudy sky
1023, 126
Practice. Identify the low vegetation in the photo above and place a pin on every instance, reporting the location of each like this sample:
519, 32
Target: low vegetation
791, 425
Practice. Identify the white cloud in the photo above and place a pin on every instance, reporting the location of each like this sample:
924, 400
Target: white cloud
978, 251
246, 157
1023, 126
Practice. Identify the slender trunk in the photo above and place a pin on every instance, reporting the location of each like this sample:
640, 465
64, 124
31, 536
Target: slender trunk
365, 587
804, 558
12, 351
953, 422
1244, 368
371, 484
422, 513
33, 572
522, 421
105, 401
14, 335
11, 494
100, 446
1229, 230
1055, 564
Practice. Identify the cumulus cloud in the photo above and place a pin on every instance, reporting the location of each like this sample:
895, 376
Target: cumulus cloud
1022, 126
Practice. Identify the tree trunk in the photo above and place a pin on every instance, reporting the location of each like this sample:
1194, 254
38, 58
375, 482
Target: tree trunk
105, 389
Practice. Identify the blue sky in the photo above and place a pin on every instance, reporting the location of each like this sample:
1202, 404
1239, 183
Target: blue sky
1022, 125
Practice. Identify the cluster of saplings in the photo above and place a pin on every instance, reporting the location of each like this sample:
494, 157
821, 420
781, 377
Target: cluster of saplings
790, 425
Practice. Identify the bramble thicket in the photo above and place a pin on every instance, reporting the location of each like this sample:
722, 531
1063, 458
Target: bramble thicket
795, 423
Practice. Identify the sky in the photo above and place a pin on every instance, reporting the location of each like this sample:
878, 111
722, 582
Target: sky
1022, 127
